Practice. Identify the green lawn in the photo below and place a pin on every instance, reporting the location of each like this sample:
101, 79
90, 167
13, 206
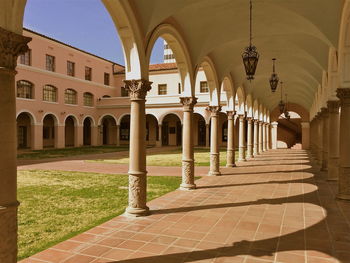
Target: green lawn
173, 158
66, 152
57, 205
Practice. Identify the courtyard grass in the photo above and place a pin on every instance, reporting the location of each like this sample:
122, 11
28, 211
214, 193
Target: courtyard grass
173, 158
57, 205
67, 152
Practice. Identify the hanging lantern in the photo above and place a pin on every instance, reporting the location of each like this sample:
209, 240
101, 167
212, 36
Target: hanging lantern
281, 105
274, 78
286, 112
250, 55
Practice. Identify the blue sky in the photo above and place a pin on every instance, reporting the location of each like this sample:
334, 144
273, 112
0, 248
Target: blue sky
84, 24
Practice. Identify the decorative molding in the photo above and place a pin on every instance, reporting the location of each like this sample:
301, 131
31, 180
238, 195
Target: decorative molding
137, 88
214, 110
344, 95
230, 114
333, 106
11, 45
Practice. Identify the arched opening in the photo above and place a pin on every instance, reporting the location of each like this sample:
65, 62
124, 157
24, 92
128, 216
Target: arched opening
223, 132
24, 131
49, 131
152, 130
289, 132
87, 131
124, 130
109, 130
171, 130
69, 131
199, 130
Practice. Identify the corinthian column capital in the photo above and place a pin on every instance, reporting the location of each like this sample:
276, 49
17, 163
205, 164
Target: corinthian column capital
344, 96
188, 103
333, 106
11, 45
324, 112
214, 110
230, 114
137, 88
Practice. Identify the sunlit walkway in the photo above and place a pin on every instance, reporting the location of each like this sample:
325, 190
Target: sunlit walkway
275, 208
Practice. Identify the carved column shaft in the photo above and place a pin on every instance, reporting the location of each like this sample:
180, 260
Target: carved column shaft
264, 137
274, 135
230, 140
325, 127
333, 141
241, 147
214, 141
137, 163
256, 138
268, 136
344, 147
320, 138
260, 137
187, 144
11, 45
305, 135
250, 138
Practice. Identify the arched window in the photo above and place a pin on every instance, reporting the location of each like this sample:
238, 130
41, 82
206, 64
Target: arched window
70, 96
24, 89
50, 93
88, 99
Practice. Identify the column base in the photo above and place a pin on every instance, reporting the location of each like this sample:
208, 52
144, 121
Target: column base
136, 212
242, 160
187, 187
249, 157
345, 197
231, 165
214, 173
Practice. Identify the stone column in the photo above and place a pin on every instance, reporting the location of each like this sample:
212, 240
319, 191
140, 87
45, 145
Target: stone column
344, 144
256, 138
333, 140
274, 135
325, 127
159, 141
214, 141
305, 135
37, 137
11, 45
264, 137
137, 164
118, 135
260, 137
187, 144
230, 162
320, 139
241, 146
268, 131
207, 140
250, 138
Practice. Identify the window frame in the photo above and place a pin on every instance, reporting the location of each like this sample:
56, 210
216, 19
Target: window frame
26, 58
107, 83
162, 92
52, 94
86, 99
73, 68
68, 97
53, 69
89, 75
25, 88
201, 90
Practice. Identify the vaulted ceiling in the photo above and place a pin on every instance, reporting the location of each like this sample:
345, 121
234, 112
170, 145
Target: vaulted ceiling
298, 33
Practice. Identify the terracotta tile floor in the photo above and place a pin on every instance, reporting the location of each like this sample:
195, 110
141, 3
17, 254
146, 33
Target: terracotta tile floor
275, 208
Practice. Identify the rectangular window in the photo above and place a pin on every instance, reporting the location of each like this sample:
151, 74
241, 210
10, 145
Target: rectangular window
88, 73
106, 79
162, 90
70, 68
179, 88
50, 63
204, 87
88, 99
124, 92
25, 58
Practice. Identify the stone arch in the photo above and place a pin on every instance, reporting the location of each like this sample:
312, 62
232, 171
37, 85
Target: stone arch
105, 115
31, 115
75, 119
261, 113
25, 129
213, 82
182, 56
50, 123
56, 119
109, 130
324, 88
332, 74
152, 129
91, 118
249, 106
256, 109
227, 86
70, 130
178, 114
199, 129
344, 46
171, 129
303, 113
240, 101
87, 123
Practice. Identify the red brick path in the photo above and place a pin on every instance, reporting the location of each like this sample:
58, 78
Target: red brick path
275, 208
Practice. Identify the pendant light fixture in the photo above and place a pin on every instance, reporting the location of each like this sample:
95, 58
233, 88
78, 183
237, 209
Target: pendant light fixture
281, 105
274, 77
286, 112
250, 55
